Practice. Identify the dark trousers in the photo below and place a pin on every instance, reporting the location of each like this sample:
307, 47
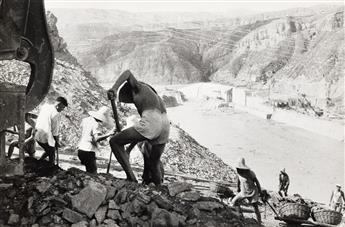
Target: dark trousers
48, 152
28, 148
88, 158
284, 189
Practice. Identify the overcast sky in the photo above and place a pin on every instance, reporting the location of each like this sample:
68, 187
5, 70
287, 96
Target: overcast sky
186, 5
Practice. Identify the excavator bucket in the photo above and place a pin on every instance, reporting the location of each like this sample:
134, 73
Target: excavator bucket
24, 37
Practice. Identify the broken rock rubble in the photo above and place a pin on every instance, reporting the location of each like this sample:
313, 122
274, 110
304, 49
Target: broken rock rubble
75, 198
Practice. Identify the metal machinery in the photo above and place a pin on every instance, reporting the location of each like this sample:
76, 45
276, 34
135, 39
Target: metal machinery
24, 37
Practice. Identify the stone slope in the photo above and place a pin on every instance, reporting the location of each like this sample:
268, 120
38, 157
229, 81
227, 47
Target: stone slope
185, 155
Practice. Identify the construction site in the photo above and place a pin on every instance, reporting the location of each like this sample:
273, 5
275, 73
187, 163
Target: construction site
254, 106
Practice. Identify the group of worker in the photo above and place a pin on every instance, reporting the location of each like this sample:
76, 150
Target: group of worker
249, 188
336, 201
44, 131
151, 132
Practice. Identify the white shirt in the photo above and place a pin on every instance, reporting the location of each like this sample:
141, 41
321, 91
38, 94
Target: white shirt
90, 128
47, 124
337, 196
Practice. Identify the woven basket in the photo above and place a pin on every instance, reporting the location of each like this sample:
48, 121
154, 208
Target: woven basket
295, 210
330, 217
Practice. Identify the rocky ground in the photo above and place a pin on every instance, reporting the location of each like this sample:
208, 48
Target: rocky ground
49, 196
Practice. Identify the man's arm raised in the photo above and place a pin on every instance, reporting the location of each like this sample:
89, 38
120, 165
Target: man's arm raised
125, 76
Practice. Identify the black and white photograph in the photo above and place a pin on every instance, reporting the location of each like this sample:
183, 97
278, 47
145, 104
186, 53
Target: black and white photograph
172, 113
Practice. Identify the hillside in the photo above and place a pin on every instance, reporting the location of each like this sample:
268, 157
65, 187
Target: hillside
84, 27
288, 55
152, 56
162, 57
295, 55
89, 25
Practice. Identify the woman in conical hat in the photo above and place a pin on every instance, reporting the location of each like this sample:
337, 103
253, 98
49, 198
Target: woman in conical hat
99, 115
248, 187
91, 135
105, 113
241, 164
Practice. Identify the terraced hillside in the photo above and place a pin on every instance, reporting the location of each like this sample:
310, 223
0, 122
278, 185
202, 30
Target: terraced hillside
289, 55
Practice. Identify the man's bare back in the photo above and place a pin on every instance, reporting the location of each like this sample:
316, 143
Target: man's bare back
142, 95
146, 98
152, 127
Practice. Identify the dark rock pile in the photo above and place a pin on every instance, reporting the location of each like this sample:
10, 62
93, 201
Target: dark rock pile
295, 198
49, 196
279, 202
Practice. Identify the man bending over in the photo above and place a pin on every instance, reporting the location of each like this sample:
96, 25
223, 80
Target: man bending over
47, 125
153, 126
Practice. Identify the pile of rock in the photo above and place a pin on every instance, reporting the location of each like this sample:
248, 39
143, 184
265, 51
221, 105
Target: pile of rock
279, 201
185, 155
75, 198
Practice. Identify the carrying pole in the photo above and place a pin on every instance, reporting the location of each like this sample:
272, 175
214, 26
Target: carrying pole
275, 212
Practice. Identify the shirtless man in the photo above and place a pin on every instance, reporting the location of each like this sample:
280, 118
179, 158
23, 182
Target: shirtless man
153, 126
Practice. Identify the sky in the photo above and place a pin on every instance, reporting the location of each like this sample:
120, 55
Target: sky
256, 6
